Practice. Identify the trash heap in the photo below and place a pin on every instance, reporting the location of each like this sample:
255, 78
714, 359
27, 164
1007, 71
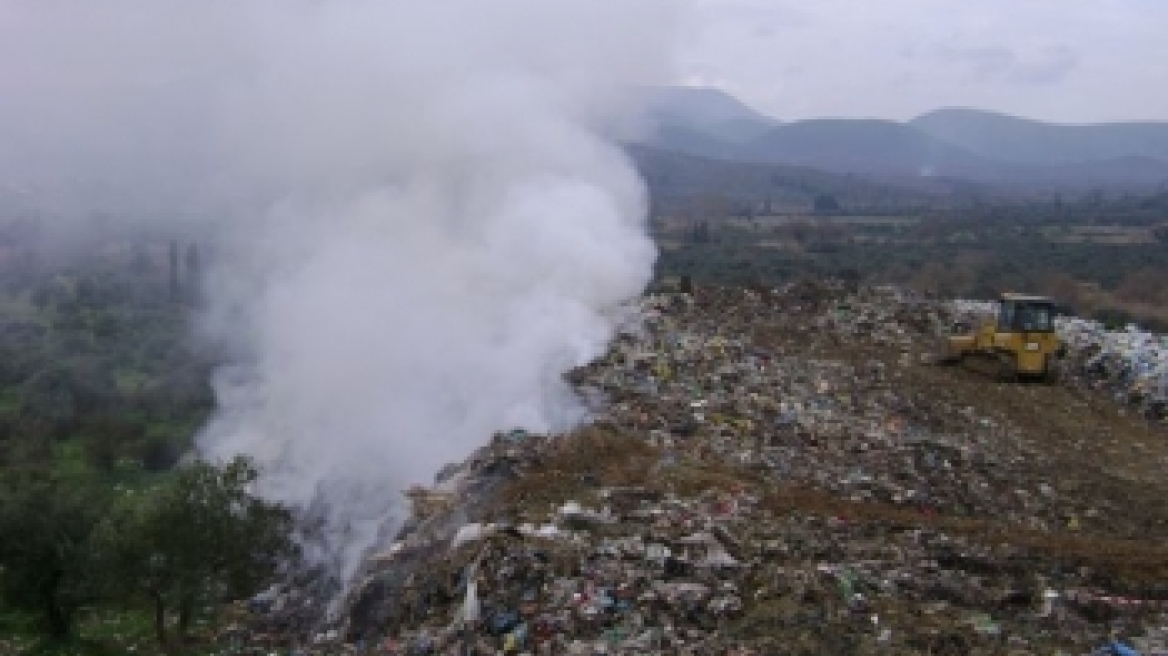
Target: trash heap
1130, 364
772, 471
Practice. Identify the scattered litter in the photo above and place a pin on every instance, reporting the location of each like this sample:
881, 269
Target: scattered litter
776, 471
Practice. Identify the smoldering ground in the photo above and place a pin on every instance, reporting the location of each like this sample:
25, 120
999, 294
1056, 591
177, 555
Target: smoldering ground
423, 221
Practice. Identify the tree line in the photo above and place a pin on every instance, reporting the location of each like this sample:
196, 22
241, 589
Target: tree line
178, 550
101, 389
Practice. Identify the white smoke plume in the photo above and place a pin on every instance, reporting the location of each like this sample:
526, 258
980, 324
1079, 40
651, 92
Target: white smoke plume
425, 225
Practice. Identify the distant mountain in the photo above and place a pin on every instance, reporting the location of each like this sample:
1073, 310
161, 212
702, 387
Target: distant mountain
955, 144
676, 116
692, 141
1023, 141
674, 176
864, 147
888, 150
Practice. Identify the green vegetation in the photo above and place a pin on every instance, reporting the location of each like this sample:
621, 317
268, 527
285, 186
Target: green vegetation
177, 551
104, 545
48, 566
97, 374
200, 539
1106, 257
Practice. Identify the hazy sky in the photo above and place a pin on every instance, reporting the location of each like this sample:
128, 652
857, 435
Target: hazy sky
1061, 60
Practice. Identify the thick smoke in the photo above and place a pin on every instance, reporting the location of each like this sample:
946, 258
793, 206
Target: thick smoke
423, 225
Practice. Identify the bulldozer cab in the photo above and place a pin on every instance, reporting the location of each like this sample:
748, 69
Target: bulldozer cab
1018, 313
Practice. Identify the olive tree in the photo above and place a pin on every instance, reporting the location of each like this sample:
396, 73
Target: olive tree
199, 540
46, 565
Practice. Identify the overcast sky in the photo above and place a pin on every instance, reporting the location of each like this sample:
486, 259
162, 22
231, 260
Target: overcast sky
1058, 60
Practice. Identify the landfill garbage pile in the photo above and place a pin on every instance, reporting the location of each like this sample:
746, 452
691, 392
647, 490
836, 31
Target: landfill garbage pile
777, 471
1129, 364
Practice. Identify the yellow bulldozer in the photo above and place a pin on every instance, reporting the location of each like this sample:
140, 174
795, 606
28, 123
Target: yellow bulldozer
1019, 343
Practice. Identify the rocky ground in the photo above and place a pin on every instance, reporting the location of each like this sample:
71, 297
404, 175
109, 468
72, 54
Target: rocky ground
781, 471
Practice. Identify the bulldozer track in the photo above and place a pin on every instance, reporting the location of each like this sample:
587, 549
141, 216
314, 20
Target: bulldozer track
994, 366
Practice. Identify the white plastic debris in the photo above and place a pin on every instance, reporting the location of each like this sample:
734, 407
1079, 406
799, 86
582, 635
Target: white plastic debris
472, 533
